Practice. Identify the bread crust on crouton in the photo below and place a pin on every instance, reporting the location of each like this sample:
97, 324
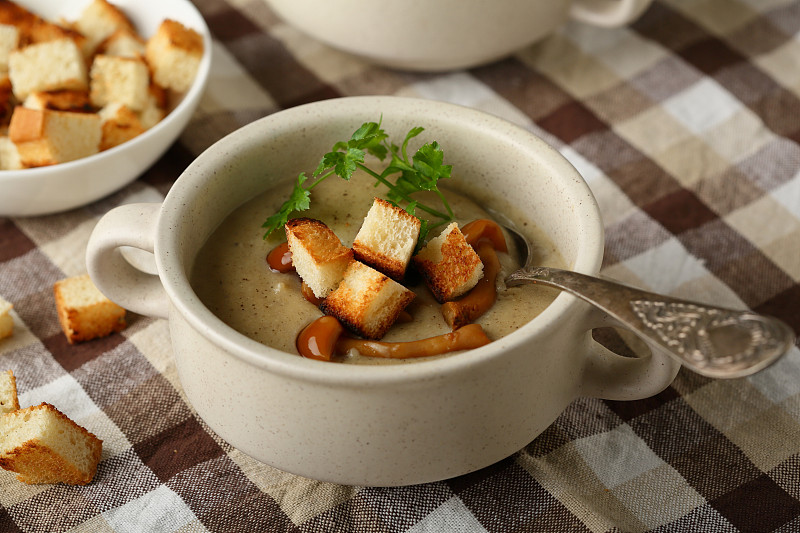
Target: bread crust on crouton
99, 20
387, 239
120, 124
64, 100
13, 14
26, 125
43, 454
123, 43
155, 107
366, 301
7, 101
33, 28
84, 312
46, 137
449, 265
8, 392
174, 53
318, 256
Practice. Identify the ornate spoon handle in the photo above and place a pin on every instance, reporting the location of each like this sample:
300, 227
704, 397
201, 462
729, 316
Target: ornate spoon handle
713, 341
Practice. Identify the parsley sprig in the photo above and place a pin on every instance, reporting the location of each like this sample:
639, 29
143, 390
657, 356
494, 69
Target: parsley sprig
403, 176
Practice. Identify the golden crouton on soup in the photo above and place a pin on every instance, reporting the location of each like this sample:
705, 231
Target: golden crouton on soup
387, 239
318, 256
449, 265
367, 301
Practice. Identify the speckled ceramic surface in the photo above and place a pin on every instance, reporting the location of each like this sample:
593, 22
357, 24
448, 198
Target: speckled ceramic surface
45, 190
382, 425
444, 34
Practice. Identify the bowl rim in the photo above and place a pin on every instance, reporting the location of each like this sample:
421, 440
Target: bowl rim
186, 104
185, 302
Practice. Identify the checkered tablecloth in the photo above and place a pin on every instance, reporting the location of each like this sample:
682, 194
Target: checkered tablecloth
686, 125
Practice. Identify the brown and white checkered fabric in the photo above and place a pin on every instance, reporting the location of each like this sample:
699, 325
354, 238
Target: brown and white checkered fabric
686, 126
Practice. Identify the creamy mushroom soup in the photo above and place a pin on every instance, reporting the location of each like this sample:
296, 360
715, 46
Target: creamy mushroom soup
233, 280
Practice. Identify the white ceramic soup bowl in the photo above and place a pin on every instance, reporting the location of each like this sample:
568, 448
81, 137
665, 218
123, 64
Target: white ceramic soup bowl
56, 188
373, 425
431, 35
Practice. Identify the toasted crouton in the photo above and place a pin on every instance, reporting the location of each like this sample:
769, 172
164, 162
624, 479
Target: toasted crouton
75, 101
155, 107
6, 321
119, 79
8, 392
9, 160
123, 43
7, 101
47, 66
449, 265
47, 32
318, 256
84, 312
42, 445
367, 301
46, 137
34, 29
174, 53
9, 40
99, 20
120, 124
387, 239
16, 16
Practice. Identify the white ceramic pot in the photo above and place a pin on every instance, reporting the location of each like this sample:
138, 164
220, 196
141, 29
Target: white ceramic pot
373, 425
430, 35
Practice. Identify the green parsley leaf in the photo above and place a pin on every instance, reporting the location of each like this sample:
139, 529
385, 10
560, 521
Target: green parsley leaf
299, 200
425, 172
413, 132
370, 137
429, 161
343, 164
421, 172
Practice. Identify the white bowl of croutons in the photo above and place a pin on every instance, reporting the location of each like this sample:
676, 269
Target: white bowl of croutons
95, 91
338, 384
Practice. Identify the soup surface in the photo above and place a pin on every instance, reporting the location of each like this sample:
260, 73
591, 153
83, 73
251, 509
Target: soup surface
233, 280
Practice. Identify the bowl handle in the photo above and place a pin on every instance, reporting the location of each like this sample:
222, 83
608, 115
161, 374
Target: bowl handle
611, 376
132, 225
608, 13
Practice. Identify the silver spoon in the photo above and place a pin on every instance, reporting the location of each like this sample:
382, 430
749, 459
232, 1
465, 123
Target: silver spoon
713, 341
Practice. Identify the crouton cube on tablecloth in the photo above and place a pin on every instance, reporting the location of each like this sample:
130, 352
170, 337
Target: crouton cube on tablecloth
42, 445
84, 312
